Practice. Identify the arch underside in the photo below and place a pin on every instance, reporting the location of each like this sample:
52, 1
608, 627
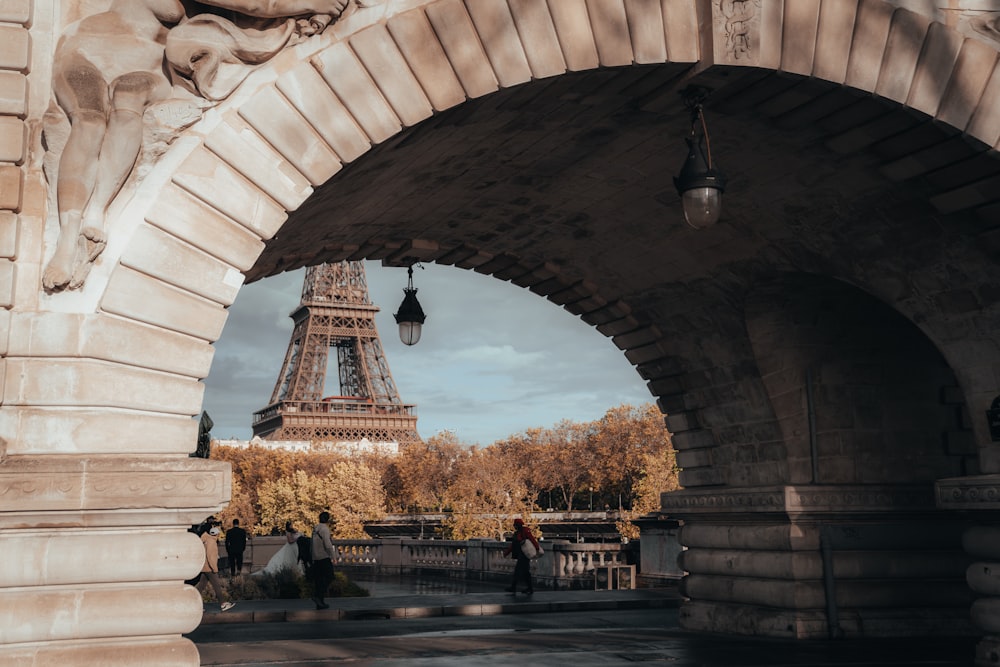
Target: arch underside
539, 150
564, 186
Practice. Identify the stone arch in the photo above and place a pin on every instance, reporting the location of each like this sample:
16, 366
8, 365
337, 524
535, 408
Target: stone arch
95, 374
226, 189
865, 367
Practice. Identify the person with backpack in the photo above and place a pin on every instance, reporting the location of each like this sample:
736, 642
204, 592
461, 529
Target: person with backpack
522, 569
304, 545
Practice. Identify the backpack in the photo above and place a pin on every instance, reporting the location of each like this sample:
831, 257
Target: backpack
305, 551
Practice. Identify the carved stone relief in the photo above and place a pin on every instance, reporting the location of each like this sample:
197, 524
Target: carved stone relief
127, 79
739, 22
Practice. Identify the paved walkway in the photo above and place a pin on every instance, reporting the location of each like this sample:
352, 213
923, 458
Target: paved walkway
425, 606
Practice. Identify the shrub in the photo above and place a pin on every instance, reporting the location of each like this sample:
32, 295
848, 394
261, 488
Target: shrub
285, 584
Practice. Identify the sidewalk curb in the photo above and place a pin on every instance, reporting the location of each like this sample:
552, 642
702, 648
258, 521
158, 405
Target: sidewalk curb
384, 608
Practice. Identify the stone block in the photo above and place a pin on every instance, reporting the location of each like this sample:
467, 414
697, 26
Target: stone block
871, 32
500, 40
99, 612
90, 383
609, 23
13, 139
208, 177
242, 148
169, 652
538, 37
700, 477
347, 78
902, 51
389, 70
692, 439
771, 30
644, 354
184, 216
666, 385
274, 117
833, 40
52, 334
572, 25
694, 458
306, 90
145, 299
798, 36
680, 24
8, 277
11, 187
16, 11
76, 431
415, 38
8, 234
454, 28
682, 421
15, 48
645, 25
167, 258
985, 122
620, 327
13, 94
111, 555
934, 68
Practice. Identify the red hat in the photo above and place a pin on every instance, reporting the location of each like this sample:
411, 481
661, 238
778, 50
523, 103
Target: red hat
518, 522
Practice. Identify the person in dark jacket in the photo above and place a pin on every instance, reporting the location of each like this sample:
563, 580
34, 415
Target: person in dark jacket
236, 544
522, 569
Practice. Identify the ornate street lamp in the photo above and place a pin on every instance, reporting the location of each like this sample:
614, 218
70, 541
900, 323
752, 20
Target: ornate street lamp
410, 316
699, 184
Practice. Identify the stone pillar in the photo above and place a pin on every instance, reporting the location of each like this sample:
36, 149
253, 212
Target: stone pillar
659, 548
820, 562
978, 497
95, 551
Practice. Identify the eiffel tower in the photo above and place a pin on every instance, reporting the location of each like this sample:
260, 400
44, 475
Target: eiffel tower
336, 313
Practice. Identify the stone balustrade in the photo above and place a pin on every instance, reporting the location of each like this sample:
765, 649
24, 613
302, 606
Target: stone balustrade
563, 565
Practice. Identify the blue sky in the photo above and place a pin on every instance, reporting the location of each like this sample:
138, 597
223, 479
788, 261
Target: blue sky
494, 358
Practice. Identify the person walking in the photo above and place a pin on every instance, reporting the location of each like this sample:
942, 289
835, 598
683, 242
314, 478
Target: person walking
236, 544
210, 570
522, 568
323, 552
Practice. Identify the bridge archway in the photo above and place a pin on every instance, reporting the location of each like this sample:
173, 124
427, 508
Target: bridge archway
861, 142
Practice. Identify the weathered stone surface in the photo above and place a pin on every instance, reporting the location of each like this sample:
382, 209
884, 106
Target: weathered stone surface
480, 140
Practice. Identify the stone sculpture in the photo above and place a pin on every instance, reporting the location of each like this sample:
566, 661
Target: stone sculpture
111, 66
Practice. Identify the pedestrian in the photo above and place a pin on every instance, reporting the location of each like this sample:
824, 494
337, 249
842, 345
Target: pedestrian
323, 552
522, 568
210, 570
236, 544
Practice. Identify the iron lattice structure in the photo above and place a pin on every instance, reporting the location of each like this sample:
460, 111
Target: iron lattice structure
336, 315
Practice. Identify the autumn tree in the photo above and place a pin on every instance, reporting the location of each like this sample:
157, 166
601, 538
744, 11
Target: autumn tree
618, 443
350, 491
240, 507
560, 461
428, 468
484, 494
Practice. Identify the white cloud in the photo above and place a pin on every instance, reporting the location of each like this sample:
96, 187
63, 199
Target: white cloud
494, 359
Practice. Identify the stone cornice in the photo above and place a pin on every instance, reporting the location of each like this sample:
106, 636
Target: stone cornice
96, 484
799, 500
978, 492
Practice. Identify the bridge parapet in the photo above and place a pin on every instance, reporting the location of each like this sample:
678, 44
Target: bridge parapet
563, 565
